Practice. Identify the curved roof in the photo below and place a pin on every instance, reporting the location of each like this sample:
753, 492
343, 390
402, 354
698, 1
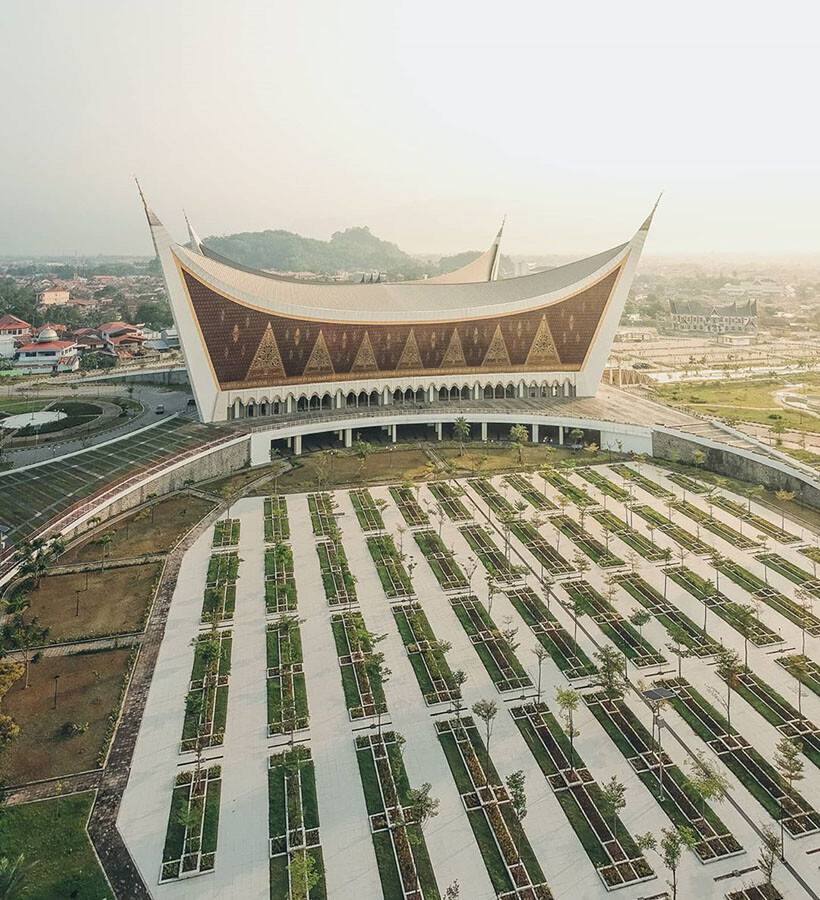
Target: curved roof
387, 301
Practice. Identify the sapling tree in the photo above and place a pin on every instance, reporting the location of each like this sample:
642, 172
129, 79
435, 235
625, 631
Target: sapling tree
486, 710
516, 787
540, 654
568, 700
670, 849
611, 676
613, 800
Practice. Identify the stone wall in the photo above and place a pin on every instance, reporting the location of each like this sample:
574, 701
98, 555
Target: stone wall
732, 463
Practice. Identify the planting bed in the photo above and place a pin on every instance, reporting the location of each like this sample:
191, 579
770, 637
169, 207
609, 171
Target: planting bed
392, 574
786, 606
632, 538
322, 514
293, 820
759, 634
788, 569
511, 864
651, 487
447, 497
447, 571
556, 640
499, 504
730, 535
548, 557
226, 533
679, 535
339, 585
367, 511
409, 506
280, 585
364, 694
287, 694
687, 483
593, 548
604, 485
578, 495
664, 780
615, 855
693, 637
429, 663
204, 722
803, 669
759, 776
776, 710
220, 587
190, 848
495, 653
745, 515
626, 638
401, 853
277, 526
533, 496
491, 557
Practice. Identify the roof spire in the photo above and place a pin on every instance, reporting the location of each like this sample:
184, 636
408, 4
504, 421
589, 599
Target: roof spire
196, 243
648, 220
153, 220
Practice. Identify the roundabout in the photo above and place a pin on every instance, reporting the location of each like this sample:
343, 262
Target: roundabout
31, 420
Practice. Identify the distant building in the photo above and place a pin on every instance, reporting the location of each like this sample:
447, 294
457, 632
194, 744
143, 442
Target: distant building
635, 335
47, 355
11, 326
54, 298
706, 317
758, 286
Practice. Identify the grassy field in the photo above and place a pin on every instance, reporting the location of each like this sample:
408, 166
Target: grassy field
749, 400
59, 860
144, 531
346, 468
115, 602
88, 692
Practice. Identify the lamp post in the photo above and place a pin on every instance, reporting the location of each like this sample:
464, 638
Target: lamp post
56, 682
77, 610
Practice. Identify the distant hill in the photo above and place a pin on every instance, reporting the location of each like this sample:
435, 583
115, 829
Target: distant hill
351, 250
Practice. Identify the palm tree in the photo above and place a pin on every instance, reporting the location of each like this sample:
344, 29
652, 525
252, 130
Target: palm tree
12, 873
461, 430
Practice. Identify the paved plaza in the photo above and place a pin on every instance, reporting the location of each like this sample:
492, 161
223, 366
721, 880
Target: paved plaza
259, 594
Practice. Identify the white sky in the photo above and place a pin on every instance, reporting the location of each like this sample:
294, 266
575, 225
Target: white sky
424, 120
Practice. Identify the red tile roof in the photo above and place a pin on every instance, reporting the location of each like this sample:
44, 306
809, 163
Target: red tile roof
49, 345
9, 321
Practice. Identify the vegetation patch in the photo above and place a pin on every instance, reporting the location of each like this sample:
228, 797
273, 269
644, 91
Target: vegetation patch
390, 566
360, 666
442, 561
280, 584
406, 498
368, 510
287, 694
206, 704
226, 533
220, 587
448, 497
193, 824
337, 580
277, 525
426, 654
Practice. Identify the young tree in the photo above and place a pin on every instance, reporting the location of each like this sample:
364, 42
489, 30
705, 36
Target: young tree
459, 680
18, 634
421, 805
729, 668
303, 875
568, 700
788, 760
461, 430
784, 497
516, 786
613, 800
362, 449
519, 436
745, 625
611, 676
769, 853
669, 848
486, 710
707, 780
678, 647
639, 617
578, 606
540, 654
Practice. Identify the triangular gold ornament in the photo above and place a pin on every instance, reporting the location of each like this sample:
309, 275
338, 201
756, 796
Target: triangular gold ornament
543, 353
454, 354
319, 362
267, 361
496, 354
365, 357
410, 356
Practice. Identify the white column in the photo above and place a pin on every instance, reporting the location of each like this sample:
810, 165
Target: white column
289, 403
339, 400
386, 396
484, 432
561, 434
535, 434
438, 431
393, 433
297, 445
348, 437
431, 392
476, 389
520, 389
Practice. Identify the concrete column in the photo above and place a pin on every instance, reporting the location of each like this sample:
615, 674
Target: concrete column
535, 434
339, 400
297, 445
289, 403
520, 390
476, 389
438, 431
484, 432
431, 393
561, 434
348, 437
386, 397
393, 433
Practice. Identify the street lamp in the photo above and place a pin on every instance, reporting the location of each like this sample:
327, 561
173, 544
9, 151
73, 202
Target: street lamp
56, 681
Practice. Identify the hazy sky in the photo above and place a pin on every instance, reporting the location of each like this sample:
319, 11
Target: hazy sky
424, 120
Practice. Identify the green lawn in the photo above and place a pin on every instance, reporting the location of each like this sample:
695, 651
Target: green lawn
52, 837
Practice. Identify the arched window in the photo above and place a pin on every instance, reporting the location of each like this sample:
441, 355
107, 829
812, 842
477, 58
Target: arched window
488, 392
443, 394
499, 392
350, 400
374, 398
250, 410
398, 396
465, 392
363, 398
302, 404
420, 395
509, 391
327, 401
